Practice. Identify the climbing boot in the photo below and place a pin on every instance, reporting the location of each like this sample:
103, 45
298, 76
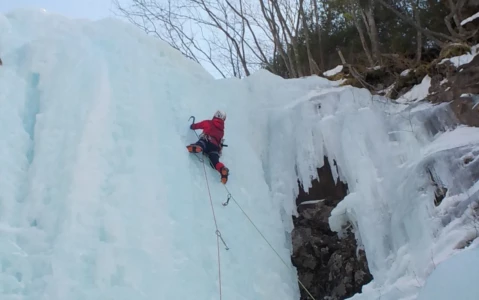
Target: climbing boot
194, 148
224, 174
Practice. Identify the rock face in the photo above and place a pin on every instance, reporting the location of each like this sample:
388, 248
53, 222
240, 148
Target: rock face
461, 87
329, 267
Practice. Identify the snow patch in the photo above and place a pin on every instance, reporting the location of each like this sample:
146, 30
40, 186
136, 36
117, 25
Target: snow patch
418, 92
334, 71
458, 61
459, 137
456, 278
470, 19
311, 202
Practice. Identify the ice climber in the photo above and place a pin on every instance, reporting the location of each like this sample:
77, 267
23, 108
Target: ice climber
211, 142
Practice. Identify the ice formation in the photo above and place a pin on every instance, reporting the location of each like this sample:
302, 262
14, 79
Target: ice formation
100, 200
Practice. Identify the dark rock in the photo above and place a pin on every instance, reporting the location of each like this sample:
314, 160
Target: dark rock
339, 291
300, 237
465, 80
359, 277
329, 267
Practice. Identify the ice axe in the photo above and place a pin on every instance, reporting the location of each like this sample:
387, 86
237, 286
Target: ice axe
193, 117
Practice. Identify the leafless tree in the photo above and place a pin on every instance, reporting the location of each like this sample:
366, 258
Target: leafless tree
352, 12
319, 33
455, 14
367, 14
313, 66
167, 22
236, 37
203, 30
414, 5
270, 15
289, 21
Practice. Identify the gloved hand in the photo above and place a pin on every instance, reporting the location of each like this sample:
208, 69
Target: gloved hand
191, 127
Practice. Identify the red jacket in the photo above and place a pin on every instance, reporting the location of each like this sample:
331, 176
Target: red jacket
214, 129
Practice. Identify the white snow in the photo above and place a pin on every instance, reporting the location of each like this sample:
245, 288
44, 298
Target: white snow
460, 137
311, 202
456, 278
470, 19
405, 72
458, 61
100, 200
418, 92
333, 71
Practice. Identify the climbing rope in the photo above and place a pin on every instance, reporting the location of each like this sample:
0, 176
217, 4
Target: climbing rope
230, 197
218, 233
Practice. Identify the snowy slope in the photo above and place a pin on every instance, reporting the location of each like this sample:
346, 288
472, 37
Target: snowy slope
100, 199
463, 285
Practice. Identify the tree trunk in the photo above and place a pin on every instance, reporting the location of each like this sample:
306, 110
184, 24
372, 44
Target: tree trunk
262, 56
313, 67
419, 34
343, 61
287, 31
292, 60
374, 36
455, 9
318, 31
218, 24
277, 39
363, 39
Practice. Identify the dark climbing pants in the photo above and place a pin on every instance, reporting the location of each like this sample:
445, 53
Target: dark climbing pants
211, 150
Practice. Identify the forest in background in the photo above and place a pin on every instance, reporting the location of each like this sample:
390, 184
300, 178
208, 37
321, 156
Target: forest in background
296, 38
